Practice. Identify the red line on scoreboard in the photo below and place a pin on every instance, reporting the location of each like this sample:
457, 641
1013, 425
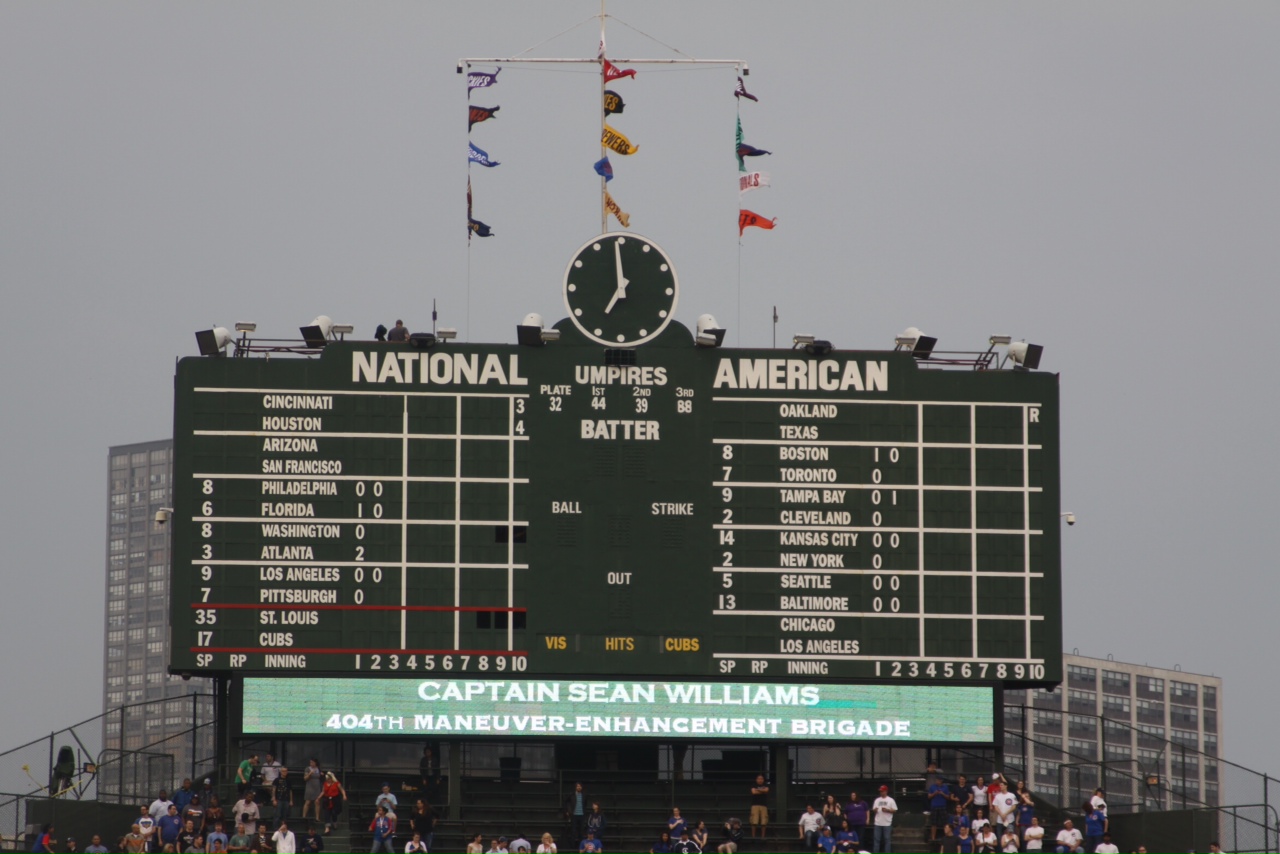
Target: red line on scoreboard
348, 651
267, 606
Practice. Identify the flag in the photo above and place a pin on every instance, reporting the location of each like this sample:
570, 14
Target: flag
746, 218
615, 141
748, 181
745, 150
740, 91
612, 102
612, 207
600, 52
613, 72
604, 169
475, 115
479, 155
478, 228
481, 80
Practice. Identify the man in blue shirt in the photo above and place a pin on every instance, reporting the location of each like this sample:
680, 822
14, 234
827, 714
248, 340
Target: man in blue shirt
938, 793
169, 826
1095, 825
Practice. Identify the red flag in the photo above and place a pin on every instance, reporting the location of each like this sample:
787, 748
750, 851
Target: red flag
613, 72
746, 218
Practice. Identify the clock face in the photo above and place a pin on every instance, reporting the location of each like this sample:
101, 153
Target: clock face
620, 289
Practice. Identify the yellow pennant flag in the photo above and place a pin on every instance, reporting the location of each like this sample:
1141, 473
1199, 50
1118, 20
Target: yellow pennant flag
615, 141
612, 207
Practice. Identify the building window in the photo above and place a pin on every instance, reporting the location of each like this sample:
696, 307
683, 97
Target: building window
1048, 720
1184, 716
1115, 707
1116, 732
115, 605
1082, 725
1115, 682
116, 545
1083, 749
1150, 686
1210, 697
1183, 692
135, 635
1149, 711
1082, 701
1118, 751
1210, 721
1182, 736
1086, 676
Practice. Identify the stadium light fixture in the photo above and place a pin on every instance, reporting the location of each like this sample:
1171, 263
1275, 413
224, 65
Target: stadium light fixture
446, 333
1025, 356
709, 333
317, 332
246, 326
213, 342
343, 329
818, 347
912, 339
800, 340
422, 340
996, 340
530, 332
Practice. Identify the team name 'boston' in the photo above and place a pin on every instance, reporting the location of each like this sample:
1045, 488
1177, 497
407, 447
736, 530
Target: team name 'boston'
801, 375
435, 368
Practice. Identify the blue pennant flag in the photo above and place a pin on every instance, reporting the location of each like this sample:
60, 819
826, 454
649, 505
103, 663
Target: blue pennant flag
478, 228
604, 169
479, 155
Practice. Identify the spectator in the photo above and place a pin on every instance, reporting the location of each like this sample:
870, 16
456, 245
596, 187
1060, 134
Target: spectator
1010, 843
183, 796
475, 846
810, 826
282, 796
978, 823
1033, 836
987, 841
827, 840
832, 812
214, 812
1095, 827
96, 846
732, 837
312, 842
240, 840
979, 796
1106, 846
964, 841
949, 843
958, 820
246, 810
383, 827
134, 842
858, 812
548, 845
596, 822
386, 799
961, 794
147, 826
590, 845
422, 821
575, 813
428, 767
686, 845
44, 839
699, 835
312, 788
206, 792
938, 794
160, 806
1004, 808
216, 836
884, 808
1099, 800
283, 838
663, 845
269, 771
169, 825
676, 824
187, 836
194, 812
1026, 812
415, 845
498, 846
848, 834
244, 774
520, 845
399, 333
759, 817
334, 795
1069, 839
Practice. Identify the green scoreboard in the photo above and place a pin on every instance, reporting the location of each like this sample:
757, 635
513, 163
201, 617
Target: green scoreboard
615, 503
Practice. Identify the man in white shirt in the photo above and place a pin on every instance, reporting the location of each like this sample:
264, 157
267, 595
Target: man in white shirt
1099, 801
811, 822
1106, 846
1003, 805
286, 842
1033, 835
1069, 839
883, 809
160, 806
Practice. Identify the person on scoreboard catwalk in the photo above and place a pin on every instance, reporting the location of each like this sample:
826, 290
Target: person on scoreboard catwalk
858, 812
384, 830
810, 826
1033, 836
732, 837
759, 817
1069, 839
979, 792
883, 809
399, 333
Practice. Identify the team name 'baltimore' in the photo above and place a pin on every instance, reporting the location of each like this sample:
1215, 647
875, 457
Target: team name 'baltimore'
802, 375
436, 368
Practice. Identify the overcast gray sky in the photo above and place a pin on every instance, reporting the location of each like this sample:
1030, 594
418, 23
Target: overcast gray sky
1100, 178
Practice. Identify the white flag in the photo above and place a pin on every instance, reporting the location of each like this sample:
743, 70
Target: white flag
748, 181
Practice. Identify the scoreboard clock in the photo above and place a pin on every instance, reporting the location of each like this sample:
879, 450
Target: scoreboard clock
618, 503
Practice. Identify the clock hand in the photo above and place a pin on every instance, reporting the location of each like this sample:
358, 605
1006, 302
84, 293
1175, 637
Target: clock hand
621, 292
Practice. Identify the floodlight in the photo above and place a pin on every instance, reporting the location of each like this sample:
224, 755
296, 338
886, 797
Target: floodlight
709, 333
529, 331
422, 340
245, 326
213, 342
343, 329
551, 335
316, 333
446, 333
920, 345
1025, 356
818, 347
999, 339
798, 340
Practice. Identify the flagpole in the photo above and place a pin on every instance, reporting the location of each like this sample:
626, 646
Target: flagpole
604, 209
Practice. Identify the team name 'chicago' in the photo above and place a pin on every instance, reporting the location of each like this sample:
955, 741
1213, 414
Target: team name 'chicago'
435, 368
801, 375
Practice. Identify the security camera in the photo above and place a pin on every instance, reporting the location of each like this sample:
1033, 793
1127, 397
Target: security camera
162, 516
1070, 517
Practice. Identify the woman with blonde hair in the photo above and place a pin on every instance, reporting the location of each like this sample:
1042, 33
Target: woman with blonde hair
332, 794
548, 845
